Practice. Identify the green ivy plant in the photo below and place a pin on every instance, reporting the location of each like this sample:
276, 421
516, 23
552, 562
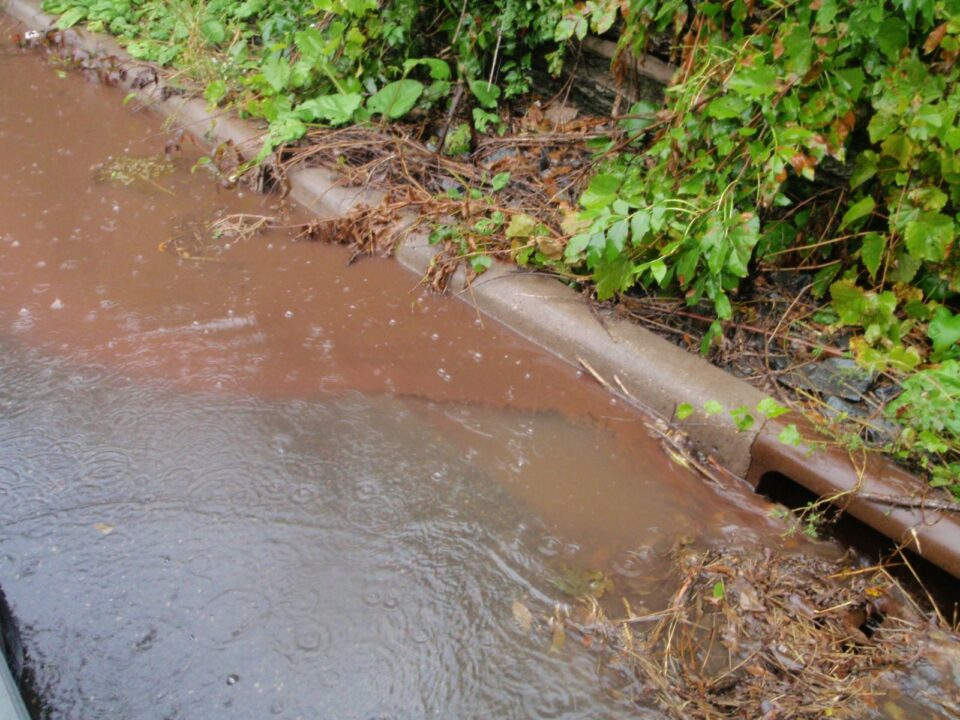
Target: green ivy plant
297, 63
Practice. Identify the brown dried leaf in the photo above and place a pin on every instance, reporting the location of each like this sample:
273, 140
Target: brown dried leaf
935, 38
749, 597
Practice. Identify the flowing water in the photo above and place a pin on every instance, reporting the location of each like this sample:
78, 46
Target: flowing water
265, 483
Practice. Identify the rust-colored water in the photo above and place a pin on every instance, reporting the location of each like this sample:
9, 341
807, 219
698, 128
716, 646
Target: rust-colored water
82, 278
269, 484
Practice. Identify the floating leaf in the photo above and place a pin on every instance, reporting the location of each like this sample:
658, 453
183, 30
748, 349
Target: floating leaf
559, 637
522, 615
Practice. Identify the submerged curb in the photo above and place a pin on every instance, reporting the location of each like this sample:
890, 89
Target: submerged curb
11, 705
647, 369
11, 660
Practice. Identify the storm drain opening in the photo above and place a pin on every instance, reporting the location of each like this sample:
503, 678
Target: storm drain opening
827, 521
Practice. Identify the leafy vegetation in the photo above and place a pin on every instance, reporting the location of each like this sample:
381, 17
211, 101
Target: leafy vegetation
331, 62
822, 132
827, 130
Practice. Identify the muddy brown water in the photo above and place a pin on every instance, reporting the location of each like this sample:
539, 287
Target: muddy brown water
272, 485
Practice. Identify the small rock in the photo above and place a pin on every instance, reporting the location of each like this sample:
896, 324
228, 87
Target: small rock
879, 431
839, 377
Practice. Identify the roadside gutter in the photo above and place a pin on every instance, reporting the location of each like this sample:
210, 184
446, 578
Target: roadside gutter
646, 369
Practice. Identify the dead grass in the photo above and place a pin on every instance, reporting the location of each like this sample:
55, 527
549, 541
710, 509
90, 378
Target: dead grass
752, 632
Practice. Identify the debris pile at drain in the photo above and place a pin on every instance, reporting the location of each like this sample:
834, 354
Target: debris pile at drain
757, 633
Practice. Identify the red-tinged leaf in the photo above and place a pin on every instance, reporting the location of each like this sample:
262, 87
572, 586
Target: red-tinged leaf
935, 38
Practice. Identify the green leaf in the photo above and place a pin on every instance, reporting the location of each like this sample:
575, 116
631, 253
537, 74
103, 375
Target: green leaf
719, 590
215, 92
851, 82
521, 226
881, 126
903, 359
439, 69
929, 236
658, 268
770, 408
892, 37
944, 330
684, 410
483, 119
395, 99
790, 436
480, 263
849, 301
639, 226
754, 83
213, 30
617, 234
71, 17
823, 278
871, 252
276, 71
486, 93
712, 407
860, 209
905, 268
721, 304
576, 245
613, 277
334, 109
359, 8
864, 168
728, 106
601, 191
798, 50
742, 418
311, 44
499, 181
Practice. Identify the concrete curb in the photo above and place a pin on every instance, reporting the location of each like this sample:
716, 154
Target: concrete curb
650, 371
11, 705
